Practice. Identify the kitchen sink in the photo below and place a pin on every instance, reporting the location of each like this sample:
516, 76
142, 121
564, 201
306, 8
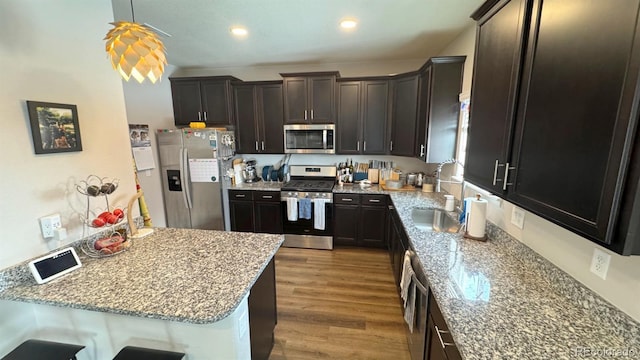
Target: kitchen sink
433, 219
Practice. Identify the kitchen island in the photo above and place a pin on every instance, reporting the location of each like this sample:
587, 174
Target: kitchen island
177, 289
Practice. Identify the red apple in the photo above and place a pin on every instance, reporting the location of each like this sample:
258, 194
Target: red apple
98, 222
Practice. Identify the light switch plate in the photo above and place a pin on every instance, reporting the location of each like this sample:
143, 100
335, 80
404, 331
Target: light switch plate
517, 217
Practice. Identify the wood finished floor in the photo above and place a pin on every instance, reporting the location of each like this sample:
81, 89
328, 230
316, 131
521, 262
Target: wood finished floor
339, 304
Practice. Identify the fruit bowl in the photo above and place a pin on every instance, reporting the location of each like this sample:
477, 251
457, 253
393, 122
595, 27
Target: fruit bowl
104, 219
106, 245
96, 186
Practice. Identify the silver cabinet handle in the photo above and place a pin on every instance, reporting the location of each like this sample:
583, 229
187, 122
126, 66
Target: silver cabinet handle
239, 195
199, 116
205, 115
311, 114
305, 114
364, 148
506, 176
422, 151
391, 146
440, 332
346, 199
267, 196
256, 146
374, 200
495, 172
358, 146
262, 145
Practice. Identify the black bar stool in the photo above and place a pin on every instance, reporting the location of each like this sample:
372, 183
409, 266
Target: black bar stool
138, 353
39, 349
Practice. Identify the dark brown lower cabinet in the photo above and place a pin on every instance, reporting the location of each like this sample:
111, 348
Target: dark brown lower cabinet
359, 220
430, 339
439, 342
268, 213
241, 210
255, 211
263, 314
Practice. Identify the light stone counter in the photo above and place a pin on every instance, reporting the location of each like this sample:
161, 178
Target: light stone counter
193, 276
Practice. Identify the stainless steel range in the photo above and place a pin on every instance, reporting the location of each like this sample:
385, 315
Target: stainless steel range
307, 209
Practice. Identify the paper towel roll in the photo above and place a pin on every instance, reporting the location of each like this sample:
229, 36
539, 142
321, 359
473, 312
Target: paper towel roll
477, 218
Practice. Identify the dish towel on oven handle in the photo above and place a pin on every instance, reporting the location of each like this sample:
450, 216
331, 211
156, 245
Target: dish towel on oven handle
292, 209
408, 290
304, 208
319, 213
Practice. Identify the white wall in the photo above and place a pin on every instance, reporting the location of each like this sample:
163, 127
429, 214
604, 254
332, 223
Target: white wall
563, 248
53, 51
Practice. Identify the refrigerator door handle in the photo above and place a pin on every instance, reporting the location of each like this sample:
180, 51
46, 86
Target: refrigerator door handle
183, 170
187, 178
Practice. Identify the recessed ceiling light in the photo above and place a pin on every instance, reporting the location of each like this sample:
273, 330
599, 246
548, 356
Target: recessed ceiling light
239, 31
348, 24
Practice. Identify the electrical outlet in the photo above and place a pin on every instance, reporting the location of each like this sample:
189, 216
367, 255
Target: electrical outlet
517, 217
48, 224
600, 263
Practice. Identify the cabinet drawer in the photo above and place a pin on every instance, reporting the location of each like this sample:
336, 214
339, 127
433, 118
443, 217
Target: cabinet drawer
374, 200
273, 196
346, 199
241, 195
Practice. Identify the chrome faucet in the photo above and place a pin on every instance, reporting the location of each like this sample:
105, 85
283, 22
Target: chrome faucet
439, 181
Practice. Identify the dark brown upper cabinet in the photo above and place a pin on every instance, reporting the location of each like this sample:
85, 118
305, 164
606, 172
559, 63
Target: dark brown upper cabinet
258, 108
559, 96
205, 99
497, 67
404, 114
309, 97
363, 112
440, 84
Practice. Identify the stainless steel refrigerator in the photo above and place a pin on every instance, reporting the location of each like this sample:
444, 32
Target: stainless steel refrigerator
193, 163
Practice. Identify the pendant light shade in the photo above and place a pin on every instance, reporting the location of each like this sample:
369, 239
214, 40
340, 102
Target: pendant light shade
135, 50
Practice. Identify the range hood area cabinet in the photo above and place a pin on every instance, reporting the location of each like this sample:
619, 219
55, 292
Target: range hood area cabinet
205, 99
258, 108
439, 87
363, 115
554, 114
309, 98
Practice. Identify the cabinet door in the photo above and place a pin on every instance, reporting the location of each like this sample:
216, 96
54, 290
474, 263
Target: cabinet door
268, 212
241, 214
263, 313
372, 226
495, 79
321, 99
186, 101
375, 115
434, 351
403, 131
216, 102
349, 118
270, 111
444, 111
573, 117
295, 100
246, 119
424, 101
345, 230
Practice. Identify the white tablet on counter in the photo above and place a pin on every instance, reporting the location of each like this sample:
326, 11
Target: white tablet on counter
54, 265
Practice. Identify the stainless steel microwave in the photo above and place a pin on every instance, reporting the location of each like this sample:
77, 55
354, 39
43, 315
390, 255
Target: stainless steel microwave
310, 139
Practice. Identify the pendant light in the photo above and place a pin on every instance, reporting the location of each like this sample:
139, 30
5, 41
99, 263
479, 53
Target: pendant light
135, 50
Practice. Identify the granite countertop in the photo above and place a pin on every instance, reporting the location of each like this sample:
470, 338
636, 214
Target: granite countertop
501, 300
258, 186
194, 276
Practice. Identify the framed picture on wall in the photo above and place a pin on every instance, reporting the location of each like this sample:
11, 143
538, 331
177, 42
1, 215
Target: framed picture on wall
54, 127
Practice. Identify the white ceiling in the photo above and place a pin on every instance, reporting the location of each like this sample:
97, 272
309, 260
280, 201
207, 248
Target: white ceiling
283, 32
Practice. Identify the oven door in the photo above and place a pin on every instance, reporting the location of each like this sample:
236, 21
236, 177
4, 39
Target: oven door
302, 233
309, 139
